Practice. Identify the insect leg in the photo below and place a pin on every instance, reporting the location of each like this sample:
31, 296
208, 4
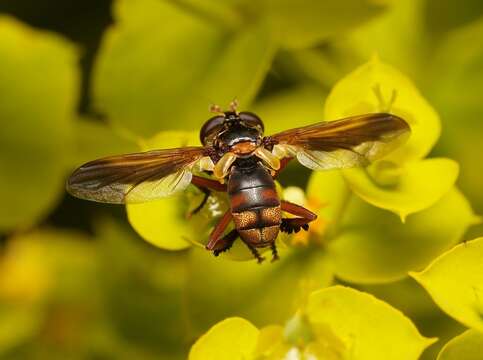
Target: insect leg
196, 210
206, 186
226, 242
305, 216
274, 252
210, 184
255, 253
216, 234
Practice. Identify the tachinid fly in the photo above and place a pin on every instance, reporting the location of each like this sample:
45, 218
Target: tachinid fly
235, 157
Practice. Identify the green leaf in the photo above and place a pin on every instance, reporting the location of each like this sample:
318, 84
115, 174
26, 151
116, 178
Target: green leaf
94, 140
397, 36
466, 346
291, 108
442, 16
38, 95
373, 246
361, 321
461, 57
141, 287
44, 260
417, 185
160, 66
242, 280
376, 87
455, 282
328, 196
229, 14
18, 326
367, 244
230, 339
301, 24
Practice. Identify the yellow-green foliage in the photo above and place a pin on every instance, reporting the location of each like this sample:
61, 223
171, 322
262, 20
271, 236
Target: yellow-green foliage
383, 274
39, 86
336, 323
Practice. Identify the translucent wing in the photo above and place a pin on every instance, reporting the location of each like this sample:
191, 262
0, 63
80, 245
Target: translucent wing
354, 141
135, 178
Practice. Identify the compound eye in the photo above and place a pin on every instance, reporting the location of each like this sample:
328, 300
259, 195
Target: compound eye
211, 128
252, 120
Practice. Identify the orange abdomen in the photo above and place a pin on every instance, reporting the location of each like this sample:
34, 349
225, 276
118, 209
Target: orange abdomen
255, 205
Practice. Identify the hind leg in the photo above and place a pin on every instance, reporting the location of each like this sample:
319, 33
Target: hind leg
305, 216
275, 256
217, 233
225, 243
255, 253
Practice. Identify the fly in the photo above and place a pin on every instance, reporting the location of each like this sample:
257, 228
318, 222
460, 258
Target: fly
236, 158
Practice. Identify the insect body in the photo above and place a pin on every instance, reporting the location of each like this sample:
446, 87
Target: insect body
255, 205
236, 158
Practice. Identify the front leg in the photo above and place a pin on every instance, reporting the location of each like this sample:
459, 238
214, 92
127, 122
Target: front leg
290, 225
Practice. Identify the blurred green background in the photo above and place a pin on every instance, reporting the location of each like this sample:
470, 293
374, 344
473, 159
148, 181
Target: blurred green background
85, 79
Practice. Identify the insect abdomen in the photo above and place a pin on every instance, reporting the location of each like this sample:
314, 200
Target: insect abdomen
255, 205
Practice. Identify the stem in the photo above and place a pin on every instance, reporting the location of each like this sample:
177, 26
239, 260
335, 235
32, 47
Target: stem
220, 14
185, 301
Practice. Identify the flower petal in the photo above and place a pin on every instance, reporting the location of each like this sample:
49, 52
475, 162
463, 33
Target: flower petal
466, 346
360, 320
417, 185
373, 246
455, 282
377, 87
232, 338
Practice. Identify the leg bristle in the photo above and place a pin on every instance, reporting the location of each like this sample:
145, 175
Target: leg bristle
226, 242
293, 225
